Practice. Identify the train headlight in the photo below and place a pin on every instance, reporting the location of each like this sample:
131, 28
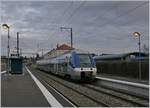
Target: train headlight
77, 69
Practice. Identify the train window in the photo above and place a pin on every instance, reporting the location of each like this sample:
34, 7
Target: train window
84, 60
59, 67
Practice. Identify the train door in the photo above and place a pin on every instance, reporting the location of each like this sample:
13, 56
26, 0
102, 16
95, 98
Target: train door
55, 68
65, 67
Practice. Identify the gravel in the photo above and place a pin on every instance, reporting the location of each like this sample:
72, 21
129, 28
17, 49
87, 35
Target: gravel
60, 84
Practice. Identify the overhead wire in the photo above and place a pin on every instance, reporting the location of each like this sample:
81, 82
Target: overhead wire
108, 22
74, 12
127, 12
105, 13
61, 15
123, 14
130, 12
66, 10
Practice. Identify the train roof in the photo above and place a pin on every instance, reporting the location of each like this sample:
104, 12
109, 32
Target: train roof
67, 53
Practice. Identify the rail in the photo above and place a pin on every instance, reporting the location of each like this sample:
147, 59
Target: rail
141, 90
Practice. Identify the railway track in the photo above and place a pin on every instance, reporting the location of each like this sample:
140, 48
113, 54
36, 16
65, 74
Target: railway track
124, 96
83, 100
134, 89
86, 95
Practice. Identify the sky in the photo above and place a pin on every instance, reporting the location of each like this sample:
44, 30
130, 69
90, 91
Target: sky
98, 26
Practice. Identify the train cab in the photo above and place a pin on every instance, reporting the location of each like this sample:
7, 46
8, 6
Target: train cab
82, 66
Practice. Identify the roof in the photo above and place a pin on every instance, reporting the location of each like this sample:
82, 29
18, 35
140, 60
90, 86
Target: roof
112, 56
80, 51
63, 47
118, 56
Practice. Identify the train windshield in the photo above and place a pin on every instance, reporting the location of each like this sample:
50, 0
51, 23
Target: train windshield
84, 60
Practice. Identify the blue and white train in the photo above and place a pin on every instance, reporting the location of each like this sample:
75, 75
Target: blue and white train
74, 64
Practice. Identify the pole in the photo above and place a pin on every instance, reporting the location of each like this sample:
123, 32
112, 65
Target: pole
17, 43
8, 48
42, 52
71, 38
137, 34
139, 59
70, 35
20, 51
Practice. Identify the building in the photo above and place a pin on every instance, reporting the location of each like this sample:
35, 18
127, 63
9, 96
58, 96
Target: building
3, 59
58, 51
123, 57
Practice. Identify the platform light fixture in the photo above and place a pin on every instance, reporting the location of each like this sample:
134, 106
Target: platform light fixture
5, 26
138, 35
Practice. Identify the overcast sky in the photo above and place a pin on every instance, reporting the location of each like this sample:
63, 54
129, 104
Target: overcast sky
98, 27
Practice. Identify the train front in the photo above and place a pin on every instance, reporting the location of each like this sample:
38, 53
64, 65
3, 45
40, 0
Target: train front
84, 67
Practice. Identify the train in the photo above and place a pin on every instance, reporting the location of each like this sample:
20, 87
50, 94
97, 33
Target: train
73, 64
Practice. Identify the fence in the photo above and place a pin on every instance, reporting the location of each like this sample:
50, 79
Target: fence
124, 68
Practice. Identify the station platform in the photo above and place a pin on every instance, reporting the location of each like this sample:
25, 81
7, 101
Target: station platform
124, 78
19, 90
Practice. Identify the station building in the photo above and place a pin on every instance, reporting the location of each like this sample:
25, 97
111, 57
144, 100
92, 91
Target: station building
58, 51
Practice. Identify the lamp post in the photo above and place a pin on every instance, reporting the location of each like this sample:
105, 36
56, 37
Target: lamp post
137, 34
18, 44
5, 26
70, 34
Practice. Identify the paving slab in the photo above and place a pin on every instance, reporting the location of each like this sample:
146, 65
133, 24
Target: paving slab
19, 90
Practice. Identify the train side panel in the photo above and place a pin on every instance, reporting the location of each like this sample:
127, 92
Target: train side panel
70, 65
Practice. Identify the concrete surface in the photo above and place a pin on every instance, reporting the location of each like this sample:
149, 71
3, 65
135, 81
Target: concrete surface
123, 78
19, 90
